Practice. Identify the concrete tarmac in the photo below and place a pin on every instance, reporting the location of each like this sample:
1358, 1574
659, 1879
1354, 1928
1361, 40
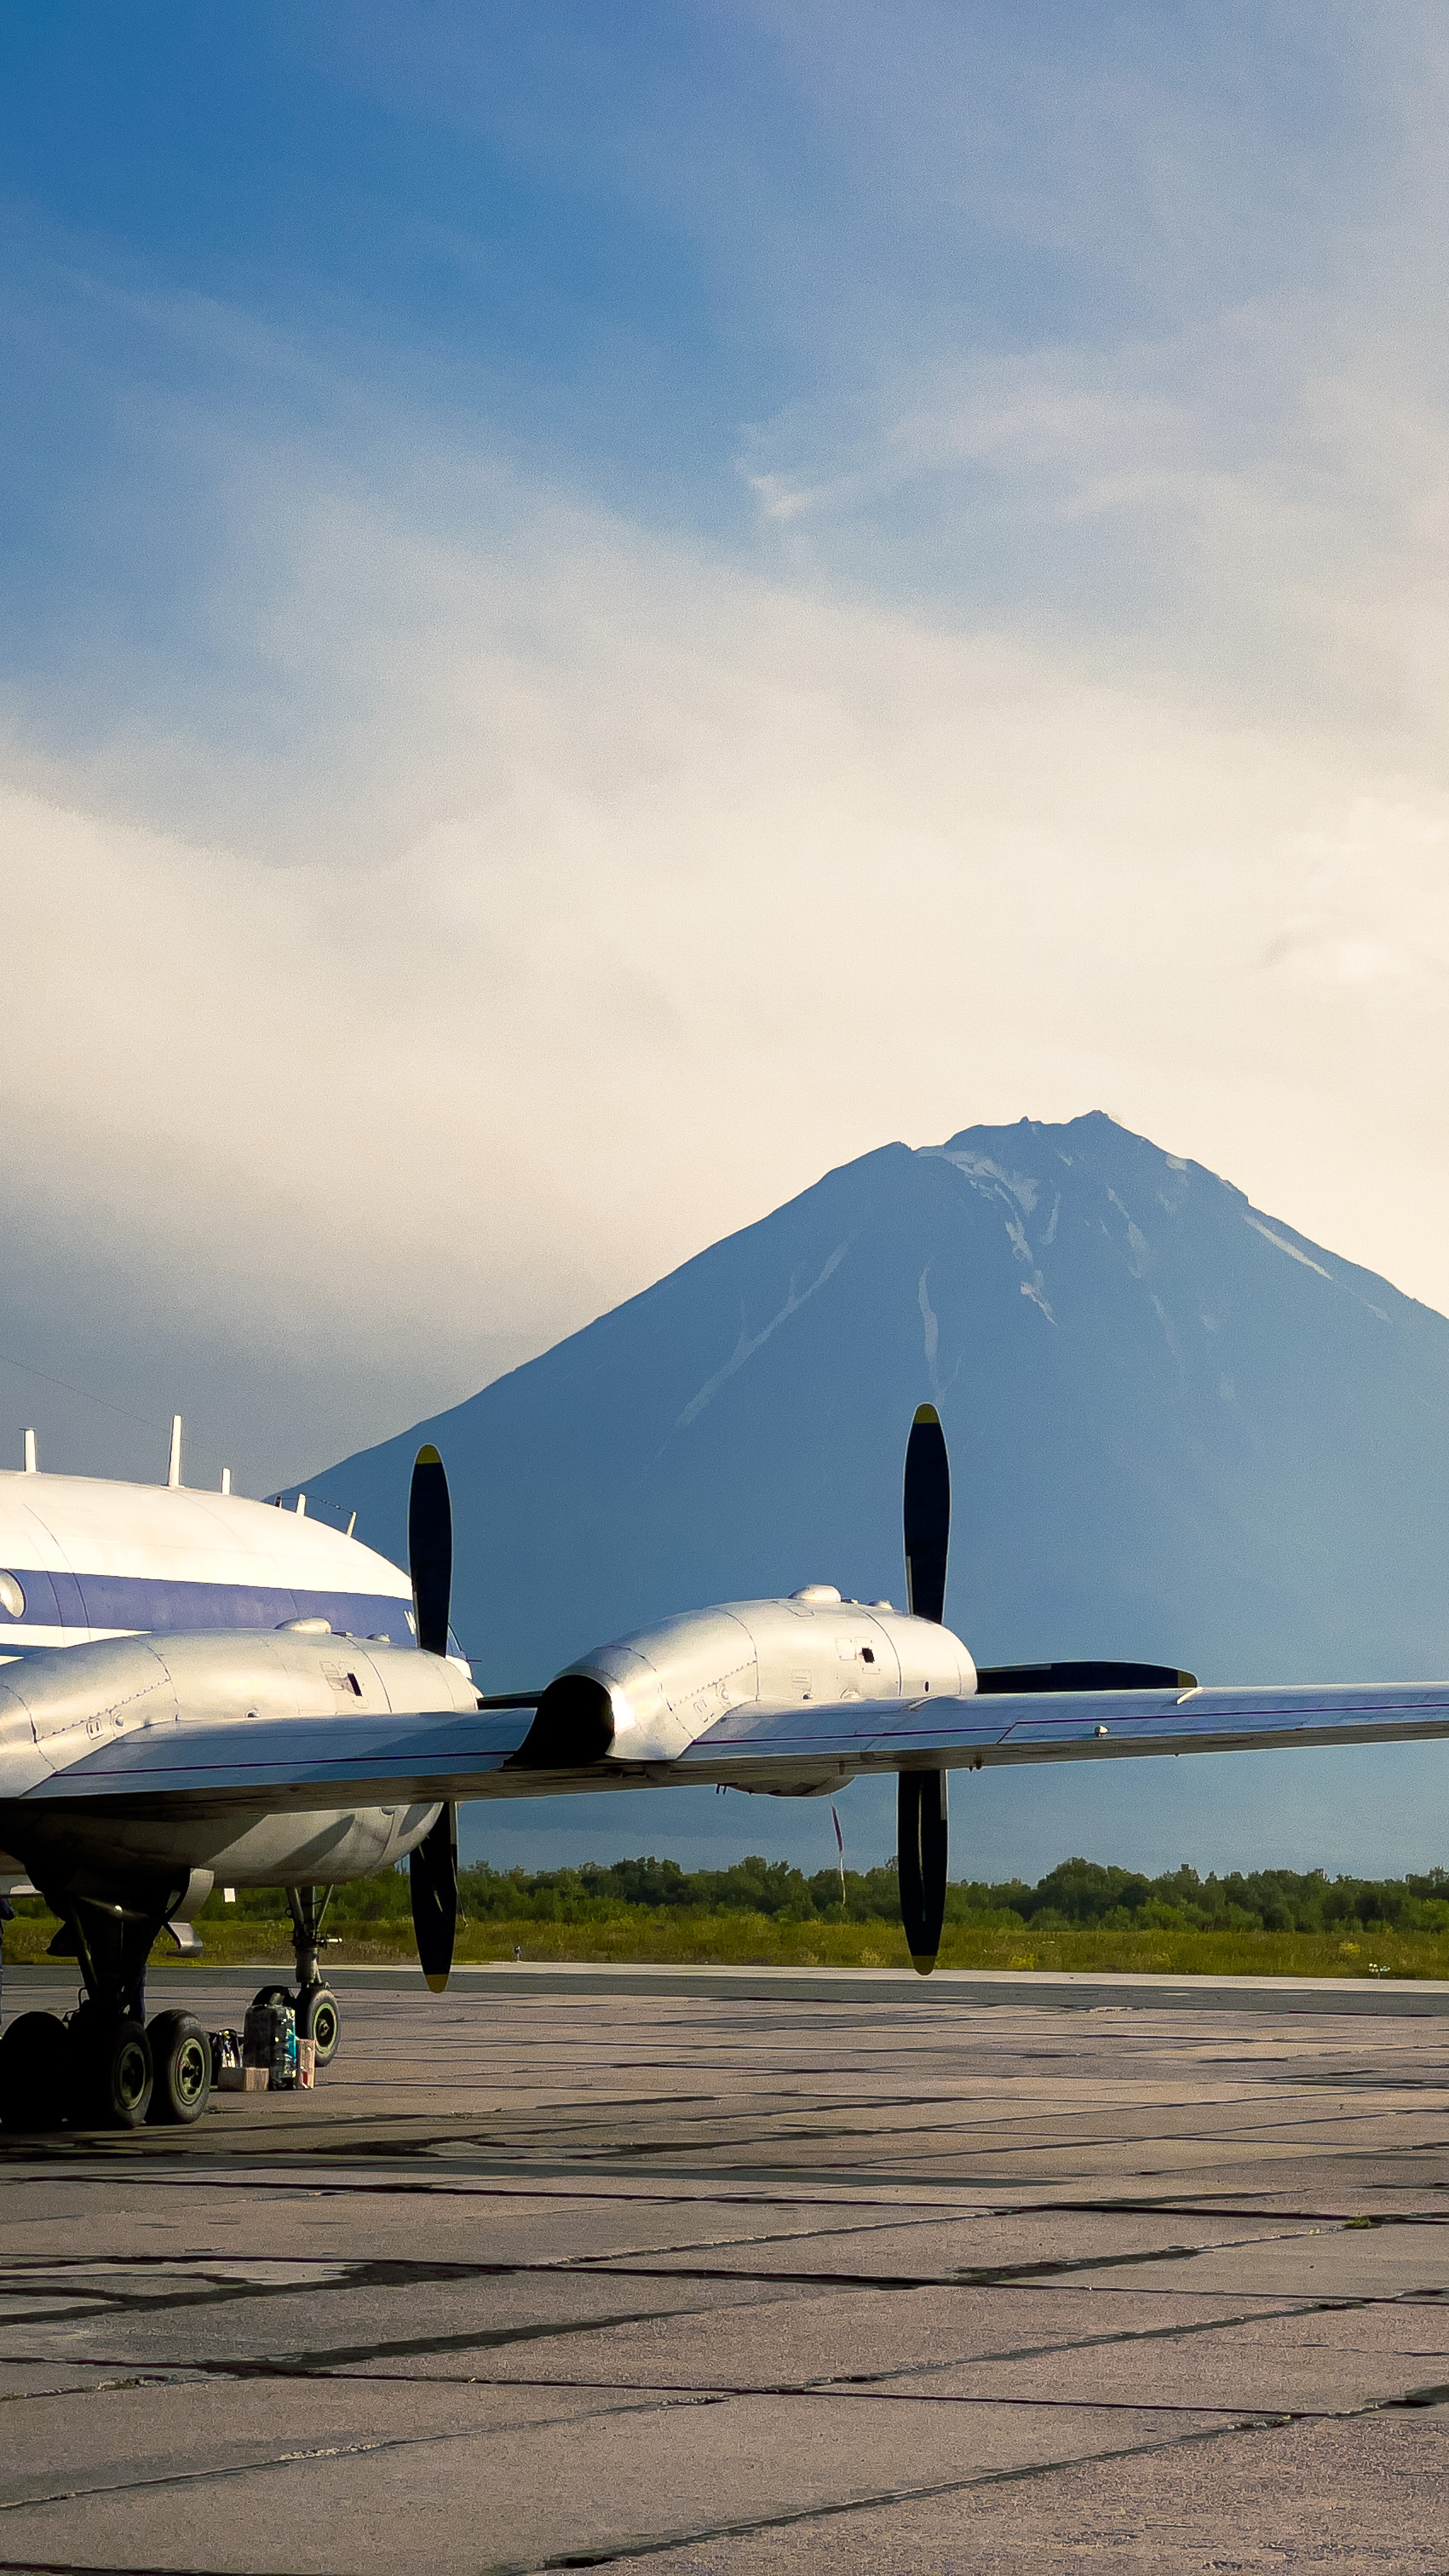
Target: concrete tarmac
737, 2272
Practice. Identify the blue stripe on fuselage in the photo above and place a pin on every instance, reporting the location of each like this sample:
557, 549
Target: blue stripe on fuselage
141, 1601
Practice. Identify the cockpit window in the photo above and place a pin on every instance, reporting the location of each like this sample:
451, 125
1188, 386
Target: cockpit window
12, 1596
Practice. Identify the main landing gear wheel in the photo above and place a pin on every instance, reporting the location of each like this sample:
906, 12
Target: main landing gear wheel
181, 2068
110, 2069
319, 2020
35, 2065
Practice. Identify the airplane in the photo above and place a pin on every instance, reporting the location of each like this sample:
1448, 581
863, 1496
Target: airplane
237, 1693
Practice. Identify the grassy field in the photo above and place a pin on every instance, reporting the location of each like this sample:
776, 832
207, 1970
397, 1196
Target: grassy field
733, 1938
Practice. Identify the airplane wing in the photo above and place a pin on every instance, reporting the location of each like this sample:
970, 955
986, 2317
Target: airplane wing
202, 1770
291, 1763
1059, 1726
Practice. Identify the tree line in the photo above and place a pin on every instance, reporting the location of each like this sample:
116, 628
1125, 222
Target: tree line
1076, 1892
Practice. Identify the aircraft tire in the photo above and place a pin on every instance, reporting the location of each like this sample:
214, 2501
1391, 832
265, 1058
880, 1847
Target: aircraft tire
181, 2066
111, 2071
320, 2020
34, 2072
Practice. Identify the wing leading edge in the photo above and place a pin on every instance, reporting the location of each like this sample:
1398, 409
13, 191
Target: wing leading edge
197, 1769
1069, 1726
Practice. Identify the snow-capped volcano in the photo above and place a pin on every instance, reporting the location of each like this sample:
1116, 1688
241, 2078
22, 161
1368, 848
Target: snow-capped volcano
1179, 1431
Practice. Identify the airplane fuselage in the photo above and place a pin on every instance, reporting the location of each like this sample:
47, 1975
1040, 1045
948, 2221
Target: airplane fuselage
86, 1562
82, 1558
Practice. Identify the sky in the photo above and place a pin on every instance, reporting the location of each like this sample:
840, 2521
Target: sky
605, 609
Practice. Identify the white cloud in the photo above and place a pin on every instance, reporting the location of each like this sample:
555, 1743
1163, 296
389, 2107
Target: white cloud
477, 903
607, 895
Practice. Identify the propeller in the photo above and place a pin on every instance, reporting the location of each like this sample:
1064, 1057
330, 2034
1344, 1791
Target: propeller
927, 1515
922, 1838
433, 1866
430, 1549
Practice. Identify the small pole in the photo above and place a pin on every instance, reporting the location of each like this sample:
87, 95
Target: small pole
840, 1848
173, 1472
30, 1466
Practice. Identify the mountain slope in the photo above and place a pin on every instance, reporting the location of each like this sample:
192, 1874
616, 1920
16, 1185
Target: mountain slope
1178, 1429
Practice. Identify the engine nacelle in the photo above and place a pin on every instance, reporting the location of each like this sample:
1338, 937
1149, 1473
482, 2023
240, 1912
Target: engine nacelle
647, 1697
66, 1702
58, 1703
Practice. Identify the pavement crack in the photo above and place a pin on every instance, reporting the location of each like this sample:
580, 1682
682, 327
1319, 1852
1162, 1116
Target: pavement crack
329, 2360
652, 2545
631, 2404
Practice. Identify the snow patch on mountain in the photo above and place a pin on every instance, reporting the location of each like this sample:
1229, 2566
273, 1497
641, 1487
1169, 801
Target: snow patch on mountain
1284, 1245
748, 1343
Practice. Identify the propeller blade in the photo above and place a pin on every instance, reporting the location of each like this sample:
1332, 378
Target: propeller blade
430, 1549
922, 1844
433, 1887
927, 1515
921, 1849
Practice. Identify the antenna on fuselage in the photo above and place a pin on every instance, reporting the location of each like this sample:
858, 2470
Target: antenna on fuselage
30, 1466
173, 1472
226, 1480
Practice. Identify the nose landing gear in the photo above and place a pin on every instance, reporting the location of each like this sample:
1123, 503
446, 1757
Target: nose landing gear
318, 2017
319, 2020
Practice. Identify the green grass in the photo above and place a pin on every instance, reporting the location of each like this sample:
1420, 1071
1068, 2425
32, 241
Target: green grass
677, 1935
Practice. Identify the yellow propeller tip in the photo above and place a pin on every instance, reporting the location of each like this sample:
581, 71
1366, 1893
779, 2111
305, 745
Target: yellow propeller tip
427, 1456
924, 1964
926, 1413
438, 1985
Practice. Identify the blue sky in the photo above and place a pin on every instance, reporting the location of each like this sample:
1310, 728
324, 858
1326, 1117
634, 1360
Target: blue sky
662, 258
558, 565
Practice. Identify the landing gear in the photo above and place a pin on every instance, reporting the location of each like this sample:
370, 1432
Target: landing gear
103, 2070
94, 2068
111, 2072
314, 2003
307, 1906
181, 2067
102, 2066
34, 2072
319, 2020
